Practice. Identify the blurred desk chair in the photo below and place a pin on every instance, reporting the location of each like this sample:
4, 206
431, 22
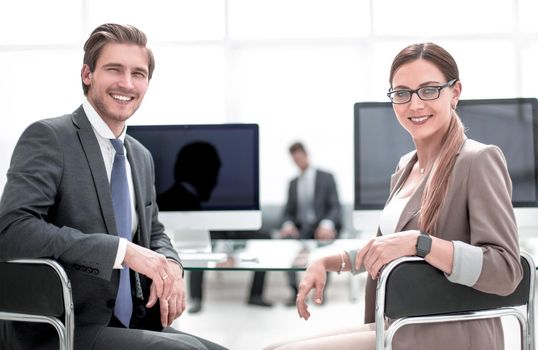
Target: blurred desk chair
404, 291
38, 290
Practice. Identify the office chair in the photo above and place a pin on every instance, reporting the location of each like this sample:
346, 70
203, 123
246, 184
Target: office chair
404, 291
38, 290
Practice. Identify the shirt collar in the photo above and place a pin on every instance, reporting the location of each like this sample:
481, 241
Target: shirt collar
309, 171
98, 124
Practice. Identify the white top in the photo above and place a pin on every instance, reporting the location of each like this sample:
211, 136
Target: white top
391, 215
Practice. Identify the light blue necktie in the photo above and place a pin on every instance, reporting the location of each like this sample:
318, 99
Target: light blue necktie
122, 212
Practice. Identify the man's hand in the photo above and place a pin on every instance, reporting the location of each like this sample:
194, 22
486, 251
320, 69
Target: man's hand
154, 266
289, 231
173, 307
324, 233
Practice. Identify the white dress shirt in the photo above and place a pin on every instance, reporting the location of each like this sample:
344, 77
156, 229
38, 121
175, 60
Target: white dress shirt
103, 135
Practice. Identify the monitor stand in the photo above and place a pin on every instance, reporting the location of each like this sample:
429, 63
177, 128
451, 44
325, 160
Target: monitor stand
192, 241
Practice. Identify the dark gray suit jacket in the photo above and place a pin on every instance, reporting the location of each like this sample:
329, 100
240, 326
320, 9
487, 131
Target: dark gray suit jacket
57, 204
326, 202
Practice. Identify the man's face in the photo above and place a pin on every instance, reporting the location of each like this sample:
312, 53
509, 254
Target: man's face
118, 84
301, 159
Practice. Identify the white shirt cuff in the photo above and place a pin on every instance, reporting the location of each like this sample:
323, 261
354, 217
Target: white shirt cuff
467, 265
120, 255
326, 223
288, 224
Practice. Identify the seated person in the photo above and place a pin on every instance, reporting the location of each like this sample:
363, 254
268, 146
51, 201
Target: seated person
313, 210
450, 203
81, 191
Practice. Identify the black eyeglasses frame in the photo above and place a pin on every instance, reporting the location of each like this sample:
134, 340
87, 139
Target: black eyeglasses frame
416, 91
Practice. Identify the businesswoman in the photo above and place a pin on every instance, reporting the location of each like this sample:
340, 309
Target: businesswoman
449, 202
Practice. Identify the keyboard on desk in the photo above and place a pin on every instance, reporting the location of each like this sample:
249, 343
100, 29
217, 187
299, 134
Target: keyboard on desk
193, 256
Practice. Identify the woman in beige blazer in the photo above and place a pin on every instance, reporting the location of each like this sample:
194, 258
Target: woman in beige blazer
450, 202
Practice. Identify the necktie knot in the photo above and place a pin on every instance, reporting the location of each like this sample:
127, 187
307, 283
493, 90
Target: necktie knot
118, 146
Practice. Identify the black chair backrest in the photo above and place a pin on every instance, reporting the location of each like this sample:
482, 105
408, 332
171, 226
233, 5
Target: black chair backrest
31, 289
418, 289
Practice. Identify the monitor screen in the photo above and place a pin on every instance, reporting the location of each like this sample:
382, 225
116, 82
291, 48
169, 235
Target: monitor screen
380, 141
206, 176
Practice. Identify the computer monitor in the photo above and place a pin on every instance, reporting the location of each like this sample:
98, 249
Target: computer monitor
380, 141
206, 178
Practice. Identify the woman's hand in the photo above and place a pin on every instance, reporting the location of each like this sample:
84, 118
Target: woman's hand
315, 277
382, 250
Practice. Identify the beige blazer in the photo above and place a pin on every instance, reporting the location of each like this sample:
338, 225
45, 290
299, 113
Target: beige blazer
477, 210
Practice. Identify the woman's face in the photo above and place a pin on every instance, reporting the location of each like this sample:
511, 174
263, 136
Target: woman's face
424, 120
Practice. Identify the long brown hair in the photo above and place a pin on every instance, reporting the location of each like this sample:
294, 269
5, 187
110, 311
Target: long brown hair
437, 185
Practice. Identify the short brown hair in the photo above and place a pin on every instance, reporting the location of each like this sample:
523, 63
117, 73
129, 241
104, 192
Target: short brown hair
113, 33
297, 147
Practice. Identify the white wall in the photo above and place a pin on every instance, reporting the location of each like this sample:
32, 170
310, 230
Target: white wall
295, 67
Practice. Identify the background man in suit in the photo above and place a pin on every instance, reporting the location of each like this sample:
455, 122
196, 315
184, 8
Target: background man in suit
82, 192
313, 209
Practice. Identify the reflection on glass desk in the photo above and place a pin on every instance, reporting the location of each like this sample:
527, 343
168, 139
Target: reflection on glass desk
264, 254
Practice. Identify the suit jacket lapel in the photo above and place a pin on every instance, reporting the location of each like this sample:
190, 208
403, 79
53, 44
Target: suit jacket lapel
136, 166
412, 207
317, 189
97, 167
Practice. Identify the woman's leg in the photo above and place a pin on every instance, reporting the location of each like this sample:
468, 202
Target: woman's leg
355, 338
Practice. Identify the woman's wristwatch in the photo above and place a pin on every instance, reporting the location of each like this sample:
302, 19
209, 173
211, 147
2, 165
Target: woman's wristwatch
424, 244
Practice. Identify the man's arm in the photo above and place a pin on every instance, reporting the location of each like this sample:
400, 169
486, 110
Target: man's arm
289, 216
32, 221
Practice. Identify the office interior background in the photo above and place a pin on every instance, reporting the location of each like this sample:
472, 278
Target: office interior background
295, 67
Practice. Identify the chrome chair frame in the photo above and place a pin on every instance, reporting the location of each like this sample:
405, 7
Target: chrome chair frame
65, 328
384, 336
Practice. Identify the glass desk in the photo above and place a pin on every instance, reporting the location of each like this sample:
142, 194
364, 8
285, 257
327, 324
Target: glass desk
289, 254
264, 254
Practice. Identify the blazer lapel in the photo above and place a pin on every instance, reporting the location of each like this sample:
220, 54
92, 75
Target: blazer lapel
412, 207
317, 190
136, 166
92, 151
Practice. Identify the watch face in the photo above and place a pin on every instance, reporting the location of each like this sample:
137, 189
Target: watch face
424, 244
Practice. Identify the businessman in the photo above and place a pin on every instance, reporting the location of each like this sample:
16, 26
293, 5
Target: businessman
313, 209
82, 192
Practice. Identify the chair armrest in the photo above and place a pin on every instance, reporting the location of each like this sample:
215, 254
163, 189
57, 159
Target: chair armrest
415, 288
33, 286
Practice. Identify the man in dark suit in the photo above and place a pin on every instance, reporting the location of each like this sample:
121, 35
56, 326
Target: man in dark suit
313, 210
61, 201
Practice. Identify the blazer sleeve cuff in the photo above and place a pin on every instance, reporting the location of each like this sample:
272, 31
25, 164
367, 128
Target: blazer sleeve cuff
120, 255
352, 254
467, 264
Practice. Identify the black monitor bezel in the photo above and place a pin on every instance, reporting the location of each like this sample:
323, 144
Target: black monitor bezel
256, 153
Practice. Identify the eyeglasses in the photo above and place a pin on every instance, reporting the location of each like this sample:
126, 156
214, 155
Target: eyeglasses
425, 93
